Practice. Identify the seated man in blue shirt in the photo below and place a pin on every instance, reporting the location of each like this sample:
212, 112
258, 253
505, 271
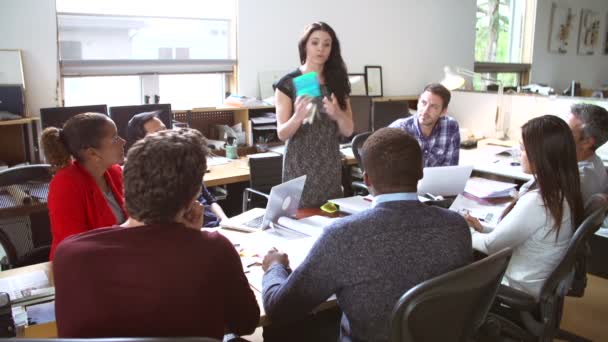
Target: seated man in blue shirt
146, 123
437, 133
370, 259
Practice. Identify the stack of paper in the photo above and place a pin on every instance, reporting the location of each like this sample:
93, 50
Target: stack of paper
486, 188
24, 285
489, 215
353, 205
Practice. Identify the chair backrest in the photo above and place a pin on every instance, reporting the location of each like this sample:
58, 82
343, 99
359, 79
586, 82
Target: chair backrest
595, 212
265, 171
122, 114
357, 146
385, 112
115, 339
57, 116
24, 220
452, 306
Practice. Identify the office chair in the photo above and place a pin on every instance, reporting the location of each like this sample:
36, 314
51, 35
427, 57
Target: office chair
116, 339
384, 113
357, 145
57, 116
449, 307
265, 171
25, 232
539, 320
122, 114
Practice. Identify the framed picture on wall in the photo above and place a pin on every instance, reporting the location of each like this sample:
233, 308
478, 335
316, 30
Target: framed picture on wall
562, 29
589, 32
373, 75
358, 84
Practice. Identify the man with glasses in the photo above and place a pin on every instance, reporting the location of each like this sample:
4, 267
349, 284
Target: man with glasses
589, 125
437, 133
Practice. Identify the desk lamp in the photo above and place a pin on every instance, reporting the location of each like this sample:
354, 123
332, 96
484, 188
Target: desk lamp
454, 80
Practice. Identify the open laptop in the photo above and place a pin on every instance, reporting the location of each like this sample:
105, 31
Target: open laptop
284, 200
444, 180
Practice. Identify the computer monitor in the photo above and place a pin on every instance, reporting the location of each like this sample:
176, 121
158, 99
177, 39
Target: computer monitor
385, 112
362, 111
122, 114
11, 99
57, 116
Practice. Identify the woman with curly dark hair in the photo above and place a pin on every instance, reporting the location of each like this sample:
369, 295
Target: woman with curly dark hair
313, 145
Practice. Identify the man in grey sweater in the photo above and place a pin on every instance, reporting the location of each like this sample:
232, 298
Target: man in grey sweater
370, 259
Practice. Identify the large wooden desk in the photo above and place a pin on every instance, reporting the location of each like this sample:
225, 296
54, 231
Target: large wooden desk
237, 171
233, 172
49, 330
487, 163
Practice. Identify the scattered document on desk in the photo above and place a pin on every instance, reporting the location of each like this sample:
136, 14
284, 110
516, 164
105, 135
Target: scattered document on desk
217, 160
264, 127
264, 120
22, 285
40, 313
312, 226
280, 149
262, 155
353, 204
487, 188
489, 215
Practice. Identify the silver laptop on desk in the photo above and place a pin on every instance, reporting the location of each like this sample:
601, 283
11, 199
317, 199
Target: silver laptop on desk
444, 180
284, 200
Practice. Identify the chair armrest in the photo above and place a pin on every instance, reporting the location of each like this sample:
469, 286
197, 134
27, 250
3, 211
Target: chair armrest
246, 192
516, 299
359, 185
256, 192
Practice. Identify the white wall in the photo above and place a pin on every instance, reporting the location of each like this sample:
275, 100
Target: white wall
30, 25
412, 40
559, 70
476, 111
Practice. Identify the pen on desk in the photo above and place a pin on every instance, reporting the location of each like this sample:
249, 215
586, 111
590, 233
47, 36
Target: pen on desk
496, 161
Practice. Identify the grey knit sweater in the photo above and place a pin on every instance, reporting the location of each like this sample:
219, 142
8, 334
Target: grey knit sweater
369, 260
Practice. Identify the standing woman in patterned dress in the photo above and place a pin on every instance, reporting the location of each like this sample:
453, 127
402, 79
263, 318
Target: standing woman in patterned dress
313, 149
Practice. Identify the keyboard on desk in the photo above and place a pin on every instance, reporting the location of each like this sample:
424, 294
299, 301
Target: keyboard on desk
256, 222
249, 221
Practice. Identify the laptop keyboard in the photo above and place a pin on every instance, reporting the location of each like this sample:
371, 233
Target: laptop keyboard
256, 222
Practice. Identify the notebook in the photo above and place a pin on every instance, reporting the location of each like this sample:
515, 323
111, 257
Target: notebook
284, 200
444, 180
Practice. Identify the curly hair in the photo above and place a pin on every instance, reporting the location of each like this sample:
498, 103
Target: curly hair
80, 132
393, 160
336, 75
163, 173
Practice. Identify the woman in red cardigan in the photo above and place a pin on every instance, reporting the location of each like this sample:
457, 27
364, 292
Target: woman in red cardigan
86, 191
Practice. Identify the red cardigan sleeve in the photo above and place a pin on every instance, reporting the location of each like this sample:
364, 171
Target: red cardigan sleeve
67, 209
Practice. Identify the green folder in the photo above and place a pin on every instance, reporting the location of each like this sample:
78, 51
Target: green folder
307, 85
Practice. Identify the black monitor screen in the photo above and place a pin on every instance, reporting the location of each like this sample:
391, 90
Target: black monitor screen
57, 116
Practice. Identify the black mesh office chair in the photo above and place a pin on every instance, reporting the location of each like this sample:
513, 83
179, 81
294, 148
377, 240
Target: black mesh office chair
116, 339
357, 171
452, 306
539, 320
265, 172
25, 232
